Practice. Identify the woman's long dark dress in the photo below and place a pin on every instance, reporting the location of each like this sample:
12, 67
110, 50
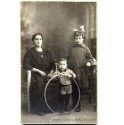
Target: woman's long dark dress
42, 61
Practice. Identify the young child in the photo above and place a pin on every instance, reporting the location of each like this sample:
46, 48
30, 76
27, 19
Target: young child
65, 76
79, 57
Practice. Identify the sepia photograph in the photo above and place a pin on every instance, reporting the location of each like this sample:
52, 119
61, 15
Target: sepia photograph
58, 62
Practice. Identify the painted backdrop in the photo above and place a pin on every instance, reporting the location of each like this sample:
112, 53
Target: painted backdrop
56, 21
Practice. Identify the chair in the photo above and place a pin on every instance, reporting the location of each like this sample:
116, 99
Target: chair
93, 84
91, 90
28, 87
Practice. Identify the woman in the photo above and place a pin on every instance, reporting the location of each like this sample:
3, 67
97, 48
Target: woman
40, 62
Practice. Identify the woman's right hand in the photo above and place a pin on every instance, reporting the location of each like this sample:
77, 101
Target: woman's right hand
42, 73
39, 71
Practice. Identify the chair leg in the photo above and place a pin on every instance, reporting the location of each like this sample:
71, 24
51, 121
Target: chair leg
95, 99
90, 97
28, 87
28, 103
95, 106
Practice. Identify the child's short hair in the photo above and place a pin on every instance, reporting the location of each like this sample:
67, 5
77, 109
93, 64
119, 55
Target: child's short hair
63, 59
79, 33
33, 37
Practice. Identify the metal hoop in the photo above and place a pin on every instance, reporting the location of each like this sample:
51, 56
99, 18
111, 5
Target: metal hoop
46, 99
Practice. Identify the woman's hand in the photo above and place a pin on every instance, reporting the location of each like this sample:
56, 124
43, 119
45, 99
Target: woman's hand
39, 71
42, 73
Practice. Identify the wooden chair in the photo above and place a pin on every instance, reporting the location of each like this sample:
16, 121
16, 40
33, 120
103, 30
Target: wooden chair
91, 90
93, 84
28, 87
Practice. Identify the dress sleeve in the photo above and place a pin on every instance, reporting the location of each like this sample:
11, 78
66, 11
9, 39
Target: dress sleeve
89, 55
26, 61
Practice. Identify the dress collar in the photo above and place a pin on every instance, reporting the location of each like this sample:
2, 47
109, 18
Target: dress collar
81, 45
38, 51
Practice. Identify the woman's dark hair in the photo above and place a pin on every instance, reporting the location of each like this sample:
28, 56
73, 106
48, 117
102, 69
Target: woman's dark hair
33, 37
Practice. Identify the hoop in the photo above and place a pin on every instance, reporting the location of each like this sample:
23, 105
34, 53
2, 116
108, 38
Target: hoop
46, 89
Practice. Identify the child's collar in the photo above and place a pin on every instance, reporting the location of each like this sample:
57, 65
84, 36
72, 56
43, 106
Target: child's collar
81, 45
62, 71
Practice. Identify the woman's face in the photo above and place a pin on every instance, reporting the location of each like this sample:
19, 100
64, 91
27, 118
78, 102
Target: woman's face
38, 41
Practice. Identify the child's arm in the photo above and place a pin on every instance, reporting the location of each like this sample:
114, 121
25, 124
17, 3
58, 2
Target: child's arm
71, 74
90, 59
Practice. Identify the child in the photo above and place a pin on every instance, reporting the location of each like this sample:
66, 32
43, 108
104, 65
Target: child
79, 57
65, 76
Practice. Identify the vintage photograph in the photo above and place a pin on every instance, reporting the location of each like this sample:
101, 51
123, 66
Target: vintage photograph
58, 62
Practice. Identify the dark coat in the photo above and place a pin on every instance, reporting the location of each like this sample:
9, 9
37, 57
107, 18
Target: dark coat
78, 56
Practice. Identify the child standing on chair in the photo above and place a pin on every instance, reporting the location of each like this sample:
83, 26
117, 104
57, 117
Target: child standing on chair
65, 76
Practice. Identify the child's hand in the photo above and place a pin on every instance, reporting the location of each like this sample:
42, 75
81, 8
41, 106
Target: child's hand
56, 73
49, 75
88, 64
